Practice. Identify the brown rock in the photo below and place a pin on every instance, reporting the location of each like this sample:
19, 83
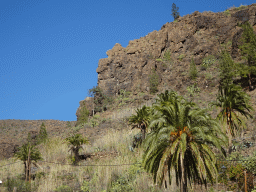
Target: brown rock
195, 35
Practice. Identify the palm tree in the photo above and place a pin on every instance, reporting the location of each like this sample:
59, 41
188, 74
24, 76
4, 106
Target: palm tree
28, 153
141, 120
182, 139
234, 104
76, 141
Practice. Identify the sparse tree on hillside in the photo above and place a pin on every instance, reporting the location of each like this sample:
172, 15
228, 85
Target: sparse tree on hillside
234, 104
42, 137
28, 153
181, 140
227, 69
175, 12
76, 141
141, 120
83, 117
100, 99
248, 51
193, 70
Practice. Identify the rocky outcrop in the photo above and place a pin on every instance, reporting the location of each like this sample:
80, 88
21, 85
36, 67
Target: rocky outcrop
88, 103
196, 36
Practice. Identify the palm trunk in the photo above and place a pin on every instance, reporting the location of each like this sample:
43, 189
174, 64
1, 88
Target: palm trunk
29, 162
183, 179
173, 186
143, 131
229, 132
250, 82
25, 164
249, 75
76, 153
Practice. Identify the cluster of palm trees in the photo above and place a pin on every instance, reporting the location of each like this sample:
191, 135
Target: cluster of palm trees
180, 136
29, 153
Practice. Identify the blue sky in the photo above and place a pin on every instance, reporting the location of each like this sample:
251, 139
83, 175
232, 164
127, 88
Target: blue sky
50, 49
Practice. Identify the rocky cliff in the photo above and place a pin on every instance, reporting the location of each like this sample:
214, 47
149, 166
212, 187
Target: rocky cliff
197, 36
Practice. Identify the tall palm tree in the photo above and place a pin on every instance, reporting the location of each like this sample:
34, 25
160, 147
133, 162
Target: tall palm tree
76, 141
234, 104
182, 139
141, 120
28, 153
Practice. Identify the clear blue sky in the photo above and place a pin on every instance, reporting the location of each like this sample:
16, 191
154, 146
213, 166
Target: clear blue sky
50, 49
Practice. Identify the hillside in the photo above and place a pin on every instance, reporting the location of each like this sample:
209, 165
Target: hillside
125, 77
169, 51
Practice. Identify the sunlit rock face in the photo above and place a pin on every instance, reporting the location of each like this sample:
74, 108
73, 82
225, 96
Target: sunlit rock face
197, 35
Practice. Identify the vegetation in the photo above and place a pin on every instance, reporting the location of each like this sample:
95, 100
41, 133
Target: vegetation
193, 70
153, 81
141, 120
234, 104
182, 143
193, 89
84, 114
167, 56
76, 141
175, 12
101, 100
227, 69
208, 61
43, 136
248, 49
181, 139
28, 153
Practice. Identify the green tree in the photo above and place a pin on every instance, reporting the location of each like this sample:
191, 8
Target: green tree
101, 100
75, 142
28, 153
181, 140
248, 52
234, 104
83, 117
141, 120
153, 81
227, 69
175, 12
193, 70
42, 137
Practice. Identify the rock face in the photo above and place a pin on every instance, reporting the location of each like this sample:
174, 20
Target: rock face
196, 36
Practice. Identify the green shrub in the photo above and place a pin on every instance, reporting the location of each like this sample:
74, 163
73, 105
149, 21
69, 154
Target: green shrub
84, 114
68, 125
20, 185
208, 61
193, 70
153, 80
193, 89
181, 57
64, 188
227, 13
241, 7
43, 136
101, 100
167, 55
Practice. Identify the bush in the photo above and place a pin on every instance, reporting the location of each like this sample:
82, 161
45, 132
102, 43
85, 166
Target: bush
193, 89
84, 114
42, 137
208, 61
19, 184
101, 100
64, 188
167, 56
193, 70
181, 57
153, 80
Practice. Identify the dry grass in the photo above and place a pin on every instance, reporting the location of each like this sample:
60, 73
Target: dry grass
92, 178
